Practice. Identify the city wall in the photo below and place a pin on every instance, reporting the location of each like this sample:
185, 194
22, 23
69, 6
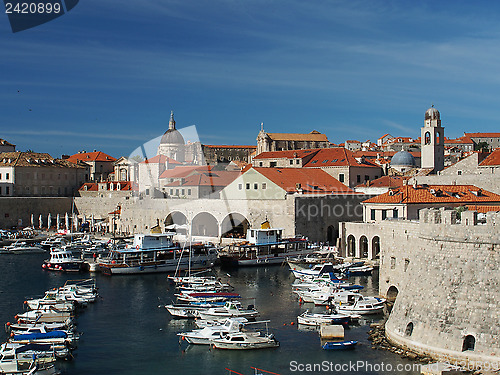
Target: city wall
447, 282
16, 211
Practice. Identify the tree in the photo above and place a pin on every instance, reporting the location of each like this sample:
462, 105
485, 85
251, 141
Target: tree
482, 146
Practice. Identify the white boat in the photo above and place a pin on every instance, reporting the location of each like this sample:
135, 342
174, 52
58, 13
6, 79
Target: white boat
244, 341
152, 253
188, 311
317, 319
316, 271
46, 327
229, 310
35, 316
204, 335
200, 323
263, 247
362, 307
62, 259
22, 247
16, 361
41, 351
54, 241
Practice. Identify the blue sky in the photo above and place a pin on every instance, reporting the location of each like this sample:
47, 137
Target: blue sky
107, 74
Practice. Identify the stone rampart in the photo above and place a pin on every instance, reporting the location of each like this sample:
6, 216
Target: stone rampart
16, 211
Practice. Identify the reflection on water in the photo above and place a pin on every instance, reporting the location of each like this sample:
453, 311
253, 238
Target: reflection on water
127, 333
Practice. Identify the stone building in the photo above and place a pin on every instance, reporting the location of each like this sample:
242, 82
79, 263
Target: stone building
491, 139
101, 164
24, 174
150, 171
406, 201
443, 275
224, 154
126, 169
290, 141
6, 146
108, 189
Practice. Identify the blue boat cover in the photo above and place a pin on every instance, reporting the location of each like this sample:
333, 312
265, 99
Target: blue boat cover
41, 336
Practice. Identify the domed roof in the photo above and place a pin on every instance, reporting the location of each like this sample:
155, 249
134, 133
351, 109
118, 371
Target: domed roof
403, 158
432, 114
172, 136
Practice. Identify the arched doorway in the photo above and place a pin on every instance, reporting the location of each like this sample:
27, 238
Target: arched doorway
363, 247
177, 218
376, 247
351, 246
205, 224
331, 235
234, 225
392, 293
469, 343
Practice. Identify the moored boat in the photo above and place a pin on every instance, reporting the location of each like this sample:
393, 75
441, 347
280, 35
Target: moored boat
341, 345
244, 341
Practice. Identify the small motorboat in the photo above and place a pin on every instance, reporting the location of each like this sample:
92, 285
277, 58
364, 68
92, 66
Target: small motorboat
21, 247
362, 307
229, 310
341, 345
62, 259
204, 335
189, 311
316, 319
244, 341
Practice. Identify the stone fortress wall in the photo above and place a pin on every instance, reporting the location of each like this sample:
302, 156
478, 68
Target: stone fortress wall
447, 281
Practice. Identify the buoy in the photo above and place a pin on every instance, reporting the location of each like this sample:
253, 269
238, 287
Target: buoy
284, 324
7, 324
292, 323
17, 316
12, 334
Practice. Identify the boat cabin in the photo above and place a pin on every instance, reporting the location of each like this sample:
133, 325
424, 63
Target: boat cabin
153, 241
264, 236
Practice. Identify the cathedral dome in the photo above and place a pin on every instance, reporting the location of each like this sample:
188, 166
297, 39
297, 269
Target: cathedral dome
403, 158
432, 114
172, 136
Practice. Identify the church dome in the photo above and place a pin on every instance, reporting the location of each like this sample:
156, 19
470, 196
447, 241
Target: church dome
432, 114
172, 136
403, 158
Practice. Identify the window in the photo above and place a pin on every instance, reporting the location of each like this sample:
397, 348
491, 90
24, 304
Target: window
189, 191
171, 191
297, 161
393, 263
358, 178
255, 186
264, 186
247, 186
469, 343
341, 177
0, 176
409, 329
325, 161
367, 177
182, 191
314, 162
273, 164
177, 192
291, 161
459, 173
260, 164
0, 190
7, 190
372, 214
395, 213
407, 263
240, 186
6, 176
384, 214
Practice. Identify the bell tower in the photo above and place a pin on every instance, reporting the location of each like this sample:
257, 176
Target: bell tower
432, 141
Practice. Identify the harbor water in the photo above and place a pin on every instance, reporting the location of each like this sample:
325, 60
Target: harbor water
127, 331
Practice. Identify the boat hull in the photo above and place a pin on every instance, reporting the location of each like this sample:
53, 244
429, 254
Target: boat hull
157, 267
344, 345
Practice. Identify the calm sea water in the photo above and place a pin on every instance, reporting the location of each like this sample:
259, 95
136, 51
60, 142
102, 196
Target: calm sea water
125, 332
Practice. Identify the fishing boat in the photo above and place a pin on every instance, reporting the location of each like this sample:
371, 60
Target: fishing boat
315, 319
341, 345
62, 259
23, 359
152, 253
264, 246
245, 341
363, 307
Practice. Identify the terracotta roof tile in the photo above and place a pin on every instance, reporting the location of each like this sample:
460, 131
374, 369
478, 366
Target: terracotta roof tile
91, 157
483, 135
311, 180
385, 181
492, 159
34, 159
483, 209
337, 156
182, 171
287, 154
312, 136
461, 194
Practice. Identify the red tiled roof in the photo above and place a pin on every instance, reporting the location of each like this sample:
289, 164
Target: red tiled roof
91, 157
311, 180
385, 135
124, 185
287, 154
160, 159
337, 156
182, 171
213, 178
492, 159
36, 159
3, 142
374, 154
312, 136
483, 209
482, 135
385, 181
461, 194
230, 146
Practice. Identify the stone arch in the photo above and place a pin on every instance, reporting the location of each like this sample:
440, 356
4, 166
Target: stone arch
351, 246
363, 247
332, 234
176, 217
427, 138
392, 293
234, 225
469, 343
205, 224
409, 329
376, 247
